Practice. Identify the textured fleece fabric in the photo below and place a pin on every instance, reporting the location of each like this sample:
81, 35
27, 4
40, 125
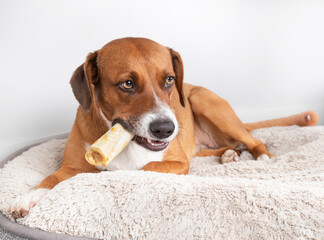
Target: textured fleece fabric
280, 198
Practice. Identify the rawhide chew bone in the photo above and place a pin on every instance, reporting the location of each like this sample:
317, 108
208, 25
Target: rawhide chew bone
106, 148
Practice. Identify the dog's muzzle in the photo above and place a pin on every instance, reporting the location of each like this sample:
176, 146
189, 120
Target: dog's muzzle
153, 131
159, 129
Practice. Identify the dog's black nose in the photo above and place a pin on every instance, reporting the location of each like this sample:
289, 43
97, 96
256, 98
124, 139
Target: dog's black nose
162, 128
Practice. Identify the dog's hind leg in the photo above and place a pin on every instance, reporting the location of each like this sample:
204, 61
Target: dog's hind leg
226, 154
215, 116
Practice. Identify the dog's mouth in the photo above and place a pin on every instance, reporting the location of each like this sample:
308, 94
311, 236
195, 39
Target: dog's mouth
153, 145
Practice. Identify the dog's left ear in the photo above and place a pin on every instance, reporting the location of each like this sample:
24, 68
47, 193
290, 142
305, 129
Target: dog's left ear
178, 69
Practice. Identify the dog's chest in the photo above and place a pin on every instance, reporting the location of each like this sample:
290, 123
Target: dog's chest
133, 157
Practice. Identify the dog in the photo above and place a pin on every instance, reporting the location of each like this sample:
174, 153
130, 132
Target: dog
139, 83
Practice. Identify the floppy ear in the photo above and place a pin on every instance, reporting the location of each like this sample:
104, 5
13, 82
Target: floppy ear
82, 79
178, 69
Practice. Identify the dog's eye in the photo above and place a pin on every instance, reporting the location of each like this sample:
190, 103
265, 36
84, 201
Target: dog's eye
169, 81
128, 85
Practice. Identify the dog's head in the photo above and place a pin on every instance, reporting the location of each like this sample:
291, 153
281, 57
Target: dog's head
131, 81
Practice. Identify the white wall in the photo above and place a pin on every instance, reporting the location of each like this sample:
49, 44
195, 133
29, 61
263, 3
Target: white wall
265, 57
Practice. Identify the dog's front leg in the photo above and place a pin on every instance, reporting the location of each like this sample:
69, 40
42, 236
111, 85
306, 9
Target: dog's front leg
23, 204
167, 167
175, 160
73, 163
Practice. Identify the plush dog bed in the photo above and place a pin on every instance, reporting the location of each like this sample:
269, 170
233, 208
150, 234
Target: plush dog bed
282, 198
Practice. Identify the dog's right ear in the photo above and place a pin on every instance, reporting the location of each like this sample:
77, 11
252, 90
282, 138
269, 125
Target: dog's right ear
82, 81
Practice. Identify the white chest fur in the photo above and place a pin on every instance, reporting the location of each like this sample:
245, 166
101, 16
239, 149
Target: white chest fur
133, 157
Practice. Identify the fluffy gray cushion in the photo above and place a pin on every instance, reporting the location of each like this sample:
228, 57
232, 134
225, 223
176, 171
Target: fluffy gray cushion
280, 198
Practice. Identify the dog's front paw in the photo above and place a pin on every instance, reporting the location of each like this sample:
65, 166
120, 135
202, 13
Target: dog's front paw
230, 156
263, 157
22, 205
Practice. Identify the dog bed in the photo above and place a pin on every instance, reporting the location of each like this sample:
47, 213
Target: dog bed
280, 198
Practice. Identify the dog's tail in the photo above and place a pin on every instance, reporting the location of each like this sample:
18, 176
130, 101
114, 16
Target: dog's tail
308, 118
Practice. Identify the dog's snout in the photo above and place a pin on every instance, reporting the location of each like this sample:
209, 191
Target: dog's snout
162, 128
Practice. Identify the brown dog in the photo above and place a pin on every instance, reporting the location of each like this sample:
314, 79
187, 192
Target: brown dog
139, 83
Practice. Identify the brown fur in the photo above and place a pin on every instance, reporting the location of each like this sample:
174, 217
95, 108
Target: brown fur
203, 116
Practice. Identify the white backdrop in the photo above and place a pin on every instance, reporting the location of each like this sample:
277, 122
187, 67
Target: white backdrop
265, 57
